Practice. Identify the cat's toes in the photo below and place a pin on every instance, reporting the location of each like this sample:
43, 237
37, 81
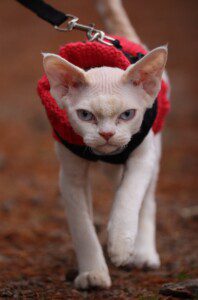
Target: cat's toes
91, 279
121, 252
146, 260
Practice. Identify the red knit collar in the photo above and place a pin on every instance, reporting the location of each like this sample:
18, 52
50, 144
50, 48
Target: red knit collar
85, 55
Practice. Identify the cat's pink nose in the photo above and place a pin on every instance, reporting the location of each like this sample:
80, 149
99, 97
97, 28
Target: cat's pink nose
106, 135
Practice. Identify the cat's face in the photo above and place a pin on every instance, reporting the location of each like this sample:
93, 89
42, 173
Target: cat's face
106, 105
105, 111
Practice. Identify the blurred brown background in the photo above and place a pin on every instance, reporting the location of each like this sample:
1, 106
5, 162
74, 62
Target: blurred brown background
35, 248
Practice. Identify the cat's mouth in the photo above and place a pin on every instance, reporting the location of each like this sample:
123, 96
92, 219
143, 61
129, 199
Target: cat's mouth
107, 149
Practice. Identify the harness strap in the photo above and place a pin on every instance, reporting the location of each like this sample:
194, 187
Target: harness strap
120, 158
45, 11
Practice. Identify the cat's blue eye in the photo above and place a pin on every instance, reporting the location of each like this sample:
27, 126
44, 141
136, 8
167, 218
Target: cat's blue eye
127, 115
85, 115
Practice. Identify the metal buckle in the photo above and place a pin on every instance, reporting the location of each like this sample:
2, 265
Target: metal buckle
92, 33
69, 25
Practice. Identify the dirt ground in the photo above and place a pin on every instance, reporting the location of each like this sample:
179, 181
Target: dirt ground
37, 259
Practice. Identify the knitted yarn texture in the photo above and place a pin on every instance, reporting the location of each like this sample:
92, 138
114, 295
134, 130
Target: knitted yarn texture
88, 55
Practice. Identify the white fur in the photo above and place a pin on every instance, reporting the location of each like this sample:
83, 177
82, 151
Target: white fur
128, 243
108, 92
74, 185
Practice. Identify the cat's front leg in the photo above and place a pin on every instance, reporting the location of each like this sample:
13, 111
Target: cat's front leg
145, 252
93, 271
123, 224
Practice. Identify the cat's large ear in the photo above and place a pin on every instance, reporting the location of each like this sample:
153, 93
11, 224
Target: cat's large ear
147, 73
61, 74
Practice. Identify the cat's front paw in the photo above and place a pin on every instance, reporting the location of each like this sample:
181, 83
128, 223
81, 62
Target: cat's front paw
121, 251
91, 279
145, 259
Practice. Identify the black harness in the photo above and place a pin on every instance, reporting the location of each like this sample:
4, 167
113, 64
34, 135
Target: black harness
120, 158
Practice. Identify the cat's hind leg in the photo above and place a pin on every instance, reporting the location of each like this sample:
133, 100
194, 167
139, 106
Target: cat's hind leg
93, 271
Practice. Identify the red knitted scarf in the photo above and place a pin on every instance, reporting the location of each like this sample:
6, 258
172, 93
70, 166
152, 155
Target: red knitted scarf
88, 55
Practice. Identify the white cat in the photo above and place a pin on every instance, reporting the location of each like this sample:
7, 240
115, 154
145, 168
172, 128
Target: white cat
106, 107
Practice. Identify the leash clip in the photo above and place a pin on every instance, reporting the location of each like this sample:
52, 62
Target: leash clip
92, 33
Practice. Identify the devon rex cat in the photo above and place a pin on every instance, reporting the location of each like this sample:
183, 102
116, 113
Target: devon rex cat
105, 108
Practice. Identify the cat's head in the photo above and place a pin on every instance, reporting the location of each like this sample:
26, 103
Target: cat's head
106, 105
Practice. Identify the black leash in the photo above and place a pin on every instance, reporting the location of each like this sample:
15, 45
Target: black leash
58, 18
45, 11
